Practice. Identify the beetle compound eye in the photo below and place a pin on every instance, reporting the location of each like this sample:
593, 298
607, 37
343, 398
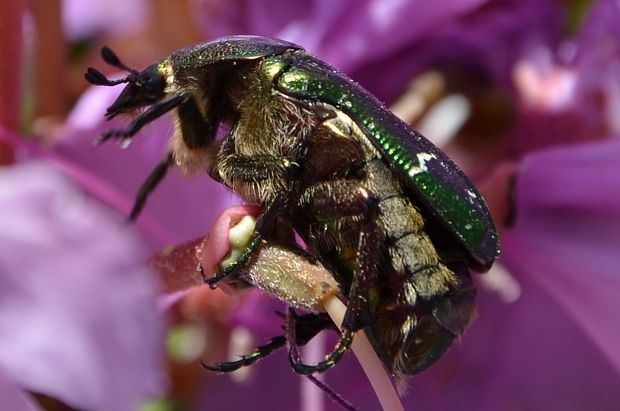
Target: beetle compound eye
152, 85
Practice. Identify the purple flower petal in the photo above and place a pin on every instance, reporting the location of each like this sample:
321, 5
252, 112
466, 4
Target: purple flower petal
369, 30
384, 44
560, 336
570, 92
78, 314
85, 18
568, 235
13, 398
597, 59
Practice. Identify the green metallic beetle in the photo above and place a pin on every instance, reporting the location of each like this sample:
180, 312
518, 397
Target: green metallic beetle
392, 217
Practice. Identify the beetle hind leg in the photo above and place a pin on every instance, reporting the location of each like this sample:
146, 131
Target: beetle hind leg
306, 328
346, 338
351, 202
259, 352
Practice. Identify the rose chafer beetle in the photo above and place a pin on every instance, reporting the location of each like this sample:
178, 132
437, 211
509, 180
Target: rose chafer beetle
389, 214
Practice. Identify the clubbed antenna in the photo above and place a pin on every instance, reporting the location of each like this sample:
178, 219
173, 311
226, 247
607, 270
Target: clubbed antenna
112, 59
97, 78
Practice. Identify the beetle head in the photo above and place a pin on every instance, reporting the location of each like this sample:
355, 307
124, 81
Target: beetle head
144, 88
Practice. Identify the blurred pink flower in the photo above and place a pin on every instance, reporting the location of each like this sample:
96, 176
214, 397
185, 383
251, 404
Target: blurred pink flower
384, 44
83, 19
570, 92
78, 317
13, 398
181, 208
561, 333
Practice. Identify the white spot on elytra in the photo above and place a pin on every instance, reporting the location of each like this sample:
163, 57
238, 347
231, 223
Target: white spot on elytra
422, 159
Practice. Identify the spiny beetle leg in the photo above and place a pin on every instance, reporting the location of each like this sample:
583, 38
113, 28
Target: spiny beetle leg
363, 279
260, 352
149, 115
151, 182
338, 399
307, 326
331, 359
232, 268
300, 330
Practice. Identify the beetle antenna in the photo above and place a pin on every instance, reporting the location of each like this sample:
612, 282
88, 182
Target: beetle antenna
112, 59
97, 78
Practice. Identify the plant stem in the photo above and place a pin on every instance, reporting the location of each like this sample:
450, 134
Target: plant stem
373, 367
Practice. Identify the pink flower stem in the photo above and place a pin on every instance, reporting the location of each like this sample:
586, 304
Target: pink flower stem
372, 366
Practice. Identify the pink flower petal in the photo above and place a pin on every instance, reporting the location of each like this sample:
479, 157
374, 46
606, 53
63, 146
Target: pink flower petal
179, 209
567, 235
78, 315
13, 398
85, 18
217, 243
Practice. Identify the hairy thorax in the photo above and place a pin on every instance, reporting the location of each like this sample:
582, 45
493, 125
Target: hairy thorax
260, 156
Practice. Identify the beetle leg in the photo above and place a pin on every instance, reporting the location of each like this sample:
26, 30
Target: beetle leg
329, 201
150, 114
337, 398
198, 130
363, 278
306, 327
346, 334
255, 177
265, 228
260, 352
233, 268
238, 168
293, 337
151, 182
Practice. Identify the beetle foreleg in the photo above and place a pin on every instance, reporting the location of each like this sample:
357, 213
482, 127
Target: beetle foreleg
151, 182
256, 178
264, 229
150, 114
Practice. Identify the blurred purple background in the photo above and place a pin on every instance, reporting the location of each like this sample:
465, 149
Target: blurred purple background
538, 90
